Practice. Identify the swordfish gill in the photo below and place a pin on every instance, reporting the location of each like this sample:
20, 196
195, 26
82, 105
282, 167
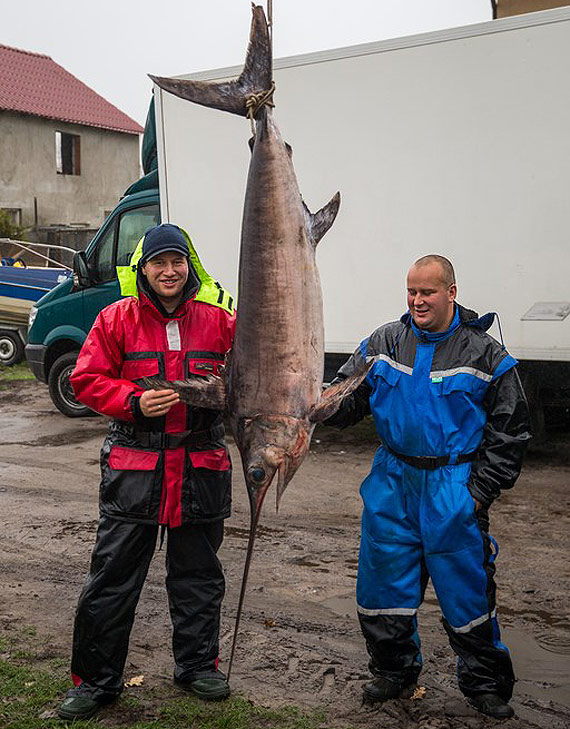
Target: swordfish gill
272, 384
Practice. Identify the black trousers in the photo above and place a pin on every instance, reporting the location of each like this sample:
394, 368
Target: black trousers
106, 609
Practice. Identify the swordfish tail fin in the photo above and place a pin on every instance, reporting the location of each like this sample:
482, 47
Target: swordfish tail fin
255, 79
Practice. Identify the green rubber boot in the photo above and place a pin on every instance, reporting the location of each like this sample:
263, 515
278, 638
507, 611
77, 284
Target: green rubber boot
207, 689
78, 705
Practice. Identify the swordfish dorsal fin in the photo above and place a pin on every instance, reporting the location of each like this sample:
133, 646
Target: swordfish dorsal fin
318, 223
231, 96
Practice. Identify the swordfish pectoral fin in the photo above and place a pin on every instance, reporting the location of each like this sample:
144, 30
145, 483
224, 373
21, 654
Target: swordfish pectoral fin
318, 223
231, 96
333, 396
203, 392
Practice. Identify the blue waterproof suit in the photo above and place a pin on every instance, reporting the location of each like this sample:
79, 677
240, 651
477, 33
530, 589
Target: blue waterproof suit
453, 420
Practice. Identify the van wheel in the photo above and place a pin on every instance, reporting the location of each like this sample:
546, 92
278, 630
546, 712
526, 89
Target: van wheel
60, 389
11, 347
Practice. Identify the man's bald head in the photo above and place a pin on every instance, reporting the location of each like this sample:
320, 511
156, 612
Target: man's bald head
447, 272
431, 292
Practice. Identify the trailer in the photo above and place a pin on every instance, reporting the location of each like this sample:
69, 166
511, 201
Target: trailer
452, 142
21, 285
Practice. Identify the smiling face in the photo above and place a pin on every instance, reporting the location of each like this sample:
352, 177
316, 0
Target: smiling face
430, 297
167, 274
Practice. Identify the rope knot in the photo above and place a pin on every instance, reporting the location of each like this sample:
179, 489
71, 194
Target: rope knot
255, 102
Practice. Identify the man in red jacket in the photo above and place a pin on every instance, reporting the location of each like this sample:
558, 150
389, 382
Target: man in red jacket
162, 464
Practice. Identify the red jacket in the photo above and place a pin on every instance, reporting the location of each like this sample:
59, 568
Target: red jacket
147, 476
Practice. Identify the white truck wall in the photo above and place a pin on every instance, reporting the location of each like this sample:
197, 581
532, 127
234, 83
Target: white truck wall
455, 143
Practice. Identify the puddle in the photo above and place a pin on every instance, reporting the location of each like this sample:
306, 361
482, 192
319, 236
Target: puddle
303, 562
343, 605
558, 621
15, 423
542, 664
242, 533
544, 673
60, 439
85, 529
554, 643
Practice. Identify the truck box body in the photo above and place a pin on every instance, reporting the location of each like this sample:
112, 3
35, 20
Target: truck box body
454, 142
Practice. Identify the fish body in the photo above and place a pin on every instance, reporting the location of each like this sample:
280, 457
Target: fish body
276, 369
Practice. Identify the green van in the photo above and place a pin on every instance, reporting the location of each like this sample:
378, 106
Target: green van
60, 320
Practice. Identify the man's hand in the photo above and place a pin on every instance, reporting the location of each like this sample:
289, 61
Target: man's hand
156, 403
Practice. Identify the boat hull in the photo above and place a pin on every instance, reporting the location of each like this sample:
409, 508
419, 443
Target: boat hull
20, 288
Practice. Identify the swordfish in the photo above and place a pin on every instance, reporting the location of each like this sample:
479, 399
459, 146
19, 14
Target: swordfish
272, 382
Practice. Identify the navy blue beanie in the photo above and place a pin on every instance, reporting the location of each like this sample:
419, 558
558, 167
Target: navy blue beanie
162, 239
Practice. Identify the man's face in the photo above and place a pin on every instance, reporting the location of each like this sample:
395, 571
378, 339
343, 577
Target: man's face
430, 299
167, 273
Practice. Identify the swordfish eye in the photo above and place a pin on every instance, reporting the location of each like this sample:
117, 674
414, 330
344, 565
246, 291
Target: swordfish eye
257, 474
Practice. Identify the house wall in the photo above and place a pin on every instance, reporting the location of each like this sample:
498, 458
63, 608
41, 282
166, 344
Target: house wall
109, 164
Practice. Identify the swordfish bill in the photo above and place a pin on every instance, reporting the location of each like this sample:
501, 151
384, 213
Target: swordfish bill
274, 374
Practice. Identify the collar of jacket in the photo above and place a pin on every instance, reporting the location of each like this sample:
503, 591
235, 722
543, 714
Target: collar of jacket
150, 303
462, 316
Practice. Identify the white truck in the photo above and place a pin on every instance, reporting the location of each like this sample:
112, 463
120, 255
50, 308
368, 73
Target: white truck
454, 142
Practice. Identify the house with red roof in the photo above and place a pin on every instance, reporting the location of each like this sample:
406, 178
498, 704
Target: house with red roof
66, 154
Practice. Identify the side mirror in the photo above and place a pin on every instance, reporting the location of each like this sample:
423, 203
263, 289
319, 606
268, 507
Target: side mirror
81, 277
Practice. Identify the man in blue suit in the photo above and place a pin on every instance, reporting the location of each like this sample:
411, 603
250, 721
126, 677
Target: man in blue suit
454, 423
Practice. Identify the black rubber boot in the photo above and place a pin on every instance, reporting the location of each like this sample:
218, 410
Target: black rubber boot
383, 688
491, 705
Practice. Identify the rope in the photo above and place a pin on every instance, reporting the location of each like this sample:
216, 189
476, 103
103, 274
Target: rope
255, 102
270, 23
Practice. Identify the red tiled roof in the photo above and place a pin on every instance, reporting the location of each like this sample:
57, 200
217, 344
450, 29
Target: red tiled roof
31, 83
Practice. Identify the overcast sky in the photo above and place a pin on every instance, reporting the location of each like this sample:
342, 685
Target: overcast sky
111, 45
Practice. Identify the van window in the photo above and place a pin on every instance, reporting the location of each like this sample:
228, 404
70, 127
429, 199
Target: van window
132, 227
101, 263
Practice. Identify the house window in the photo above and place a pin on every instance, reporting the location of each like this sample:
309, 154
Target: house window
67, 154
14, 215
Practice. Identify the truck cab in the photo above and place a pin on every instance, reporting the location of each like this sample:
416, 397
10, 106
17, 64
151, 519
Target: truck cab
60, 321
